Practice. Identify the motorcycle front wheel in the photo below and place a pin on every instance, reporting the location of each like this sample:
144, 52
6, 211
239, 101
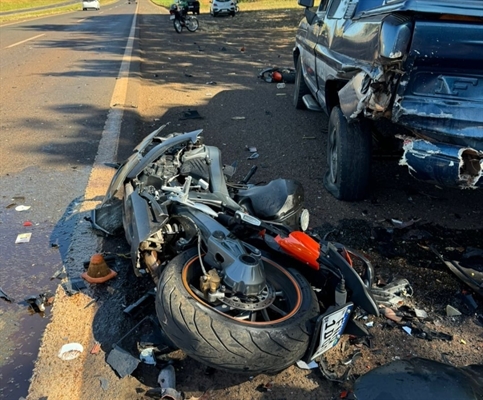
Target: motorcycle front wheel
177, 25
192, 24
236, 339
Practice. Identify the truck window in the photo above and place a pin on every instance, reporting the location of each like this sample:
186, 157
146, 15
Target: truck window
333, 8
323, 5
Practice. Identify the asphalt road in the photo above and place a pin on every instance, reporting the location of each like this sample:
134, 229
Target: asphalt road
57, 79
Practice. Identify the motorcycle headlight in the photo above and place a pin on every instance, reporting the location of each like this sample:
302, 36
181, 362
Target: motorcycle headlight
304, 219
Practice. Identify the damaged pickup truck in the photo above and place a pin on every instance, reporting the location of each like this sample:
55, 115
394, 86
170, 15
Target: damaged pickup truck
415, 63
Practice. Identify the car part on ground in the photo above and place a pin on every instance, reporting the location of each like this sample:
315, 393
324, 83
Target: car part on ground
393, 62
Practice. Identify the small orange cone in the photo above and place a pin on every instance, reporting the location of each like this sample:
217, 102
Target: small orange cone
98, 271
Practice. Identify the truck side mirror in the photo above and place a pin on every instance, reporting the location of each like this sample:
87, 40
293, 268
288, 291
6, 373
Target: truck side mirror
306, 3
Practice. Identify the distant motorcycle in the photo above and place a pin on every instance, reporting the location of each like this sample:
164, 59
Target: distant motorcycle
240, 285
181, 19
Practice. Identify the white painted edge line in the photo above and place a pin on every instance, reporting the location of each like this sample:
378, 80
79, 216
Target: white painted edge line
101, 175
107, 150
26, 40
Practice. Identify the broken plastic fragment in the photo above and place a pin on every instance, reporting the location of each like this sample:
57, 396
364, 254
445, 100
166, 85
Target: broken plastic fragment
451, 311
70, 351
27, 223
22, 208
23, 237
407, 329
147, 356
253, 156
303, 365
238, 118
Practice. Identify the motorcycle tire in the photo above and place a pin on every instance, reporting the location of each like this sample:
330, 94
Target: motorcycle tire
215, 338
192, 24
177, 25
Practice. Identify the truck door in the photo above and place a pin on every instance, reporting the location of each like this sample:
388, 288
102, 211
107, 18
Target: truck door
308, 55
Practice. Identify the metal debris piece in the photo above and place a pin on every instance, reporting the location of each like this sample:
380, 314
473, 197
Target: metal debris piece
59, 274
129, 309
167, 383
5, 296
73, 286
393, 292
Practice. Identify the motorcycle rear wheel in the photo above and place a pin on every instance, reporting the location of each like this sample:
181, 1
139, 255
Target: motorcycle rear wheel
192, 24
217, 337
177, 25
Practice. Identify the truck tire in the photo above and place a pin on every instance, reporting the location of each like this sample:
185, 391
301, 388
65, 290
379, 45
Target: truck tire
349, 153
301, 88
216, 338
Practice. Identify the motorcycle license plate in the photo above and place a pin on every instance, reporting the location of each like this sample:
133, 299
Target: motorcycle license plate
171, 17
332, 326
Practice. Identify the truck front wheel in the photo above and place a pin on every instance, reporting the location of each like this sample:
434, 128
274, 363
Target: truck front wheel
349, 153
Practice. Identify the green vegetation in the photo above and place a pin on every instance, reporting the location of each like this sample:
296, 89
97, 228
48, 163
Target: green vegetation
13, 5
23, 5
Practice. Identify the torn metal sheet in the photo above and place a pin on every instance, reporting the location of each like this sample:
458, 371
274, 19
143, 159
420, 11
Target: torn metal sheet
444, 164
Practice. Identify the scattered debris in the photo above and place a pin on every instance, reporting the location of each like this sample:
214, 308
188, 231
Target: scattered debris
303, 365
104, 383
421, 314
98, 271
5, 296
191, 114
73, 286
211, 83
253, 156
286, 75
59, 274
407, 329
147, 356
129, 309
265, 387
471, 276
370, 324
280, 85
167, 383
27, 223
22, 208
452, 311
70, 351
38, 303
401, 224
238, 118
23, 237
96, 348
251, 149
122, 361
392, 293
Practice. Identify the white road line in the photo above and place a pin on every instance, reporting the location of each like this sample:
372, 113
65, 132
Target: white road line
26, 40
101, 175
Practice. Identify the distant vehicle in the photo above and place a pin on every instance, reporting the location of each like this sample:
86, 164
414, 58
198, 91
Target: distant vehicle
193, 6
91, 4
218, 7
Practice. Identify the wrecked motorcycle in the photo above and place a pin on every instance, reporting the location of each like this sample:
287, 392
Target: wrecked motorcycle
240, 286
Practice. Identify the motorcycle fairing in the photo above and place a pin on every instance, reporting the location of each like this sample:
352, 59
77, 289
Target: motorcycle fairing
302, 247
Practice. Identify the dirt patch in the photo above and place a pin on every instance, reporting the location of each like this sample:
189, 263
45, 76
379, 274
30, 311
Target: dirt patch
215, 72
